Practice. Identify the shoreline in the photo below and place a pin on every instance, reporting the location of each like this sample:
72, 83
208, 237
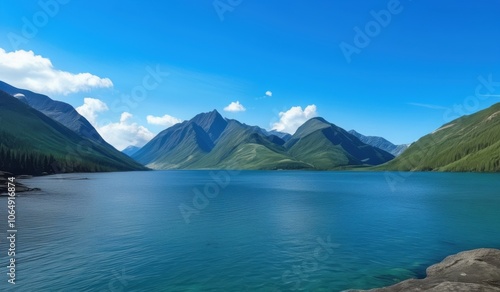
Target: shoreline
20, 187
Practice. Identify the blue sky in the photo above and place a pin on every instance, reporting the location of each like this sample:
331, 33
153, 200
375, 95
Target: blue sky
418, 66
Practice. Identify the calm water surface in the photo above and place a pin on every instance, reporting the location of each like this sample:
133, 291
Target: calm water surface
257, 231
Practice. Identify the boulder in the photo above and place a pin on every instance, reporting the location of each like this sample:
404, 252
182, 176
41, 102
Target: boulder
474, 270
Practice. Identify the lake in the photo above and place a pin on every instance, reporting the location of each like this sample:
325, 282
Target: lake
244, 231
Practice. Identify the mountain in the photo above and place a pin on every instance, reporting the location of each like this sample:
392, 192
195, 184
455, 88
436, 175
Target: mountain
32, 143
56, 110
381, 143
182, 144
210, 141
130, 150
244, 147
325, 146
469, 143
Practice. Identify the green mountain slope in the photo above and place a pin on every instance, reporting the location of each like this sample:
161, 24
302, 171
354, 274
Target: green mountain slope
469, 143
242, 146
32, 143
56, 110
326, 146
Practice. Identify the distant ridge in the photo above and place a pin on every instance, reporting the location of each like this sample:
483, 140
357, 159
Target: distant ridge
130, 150
381, 143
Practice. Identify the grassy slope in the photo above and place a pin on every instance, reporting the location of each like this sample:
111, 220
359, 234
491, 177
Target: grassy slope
256, 156
326, 146
318, 151
240, 147
470, 143
28, 131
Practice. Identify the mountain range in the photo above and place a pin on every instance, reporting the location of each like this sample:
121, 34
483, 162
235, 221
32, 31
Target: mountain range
56, 139
469, 143
210, 141
38, 134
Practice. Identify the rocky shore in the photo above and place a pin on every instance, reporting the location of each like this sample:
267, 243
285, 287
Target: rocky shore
474, 270
20, 188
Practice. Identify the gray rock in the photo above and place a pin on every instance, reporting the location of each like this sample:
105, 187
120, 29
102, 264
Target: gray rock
474, 270
20, 188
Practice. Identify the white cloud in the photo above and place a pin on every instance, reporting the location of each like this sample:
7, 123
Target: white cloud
124, 133
19, 95
166, 120
90, 108
267, 94
292, 119
26, 70
235, 107
125, 116
119, 134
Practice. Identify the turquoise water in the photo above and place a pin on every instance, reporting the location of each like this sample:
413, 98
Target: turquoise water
247, 231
